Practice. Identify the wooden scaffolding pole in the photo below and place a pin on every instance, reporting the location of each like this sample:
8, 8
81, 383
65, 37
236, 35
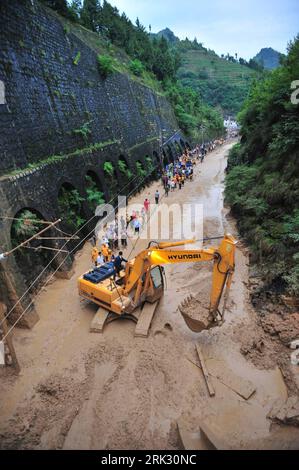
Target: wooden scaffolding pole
10, 357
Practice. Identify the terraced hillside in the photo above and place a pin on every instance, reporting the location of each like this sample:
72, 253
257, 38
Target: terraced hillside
219, 81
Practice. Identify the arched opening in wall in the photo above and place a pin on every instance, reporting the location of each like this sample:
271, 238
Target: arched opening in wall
150, 165
174, 151
94, 191
141, 173
111, 181
157, 165
183, 145
156, 158
34, 256
165, 158
126, 173
70, 207
178, 148
170, 153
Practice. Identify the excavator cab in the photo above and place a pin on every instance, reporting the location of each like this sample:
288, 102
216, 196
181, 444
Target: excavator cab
157, 284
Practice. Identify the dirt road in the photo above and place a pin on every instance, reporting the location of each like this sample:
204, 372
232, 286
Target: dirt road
79, 390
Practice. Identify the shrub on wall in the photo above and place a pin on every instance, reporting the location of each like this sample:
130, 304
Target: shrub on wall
136, 67
124, 169
84, 131
69, 201
105, 65
108, 169
140, 170
26, 225
77, 58
149, 164
95, 197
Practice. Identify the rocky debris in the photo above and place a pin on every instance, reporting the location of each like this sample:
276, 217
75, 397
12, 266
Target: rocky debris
55, 403
256, 344
51, 388
286, 328
286, 412
290, 301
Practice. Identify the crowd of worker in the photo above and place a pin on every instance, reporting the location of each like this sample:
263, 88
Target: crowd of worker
116, 233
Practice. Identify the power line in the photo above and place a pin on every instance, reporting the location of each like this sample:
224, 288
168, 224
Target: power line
69, 253
61, 249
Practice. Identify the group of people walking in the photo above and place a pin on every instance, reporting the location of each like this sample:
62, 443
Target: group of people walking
174, 176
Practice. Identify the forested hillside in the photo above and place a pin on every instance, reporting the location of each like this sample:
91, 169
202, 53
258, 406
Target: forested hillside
262, 185
220, 81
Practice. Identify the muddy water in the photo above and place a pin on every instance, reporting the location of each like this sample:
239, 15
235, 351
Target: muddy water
82, 390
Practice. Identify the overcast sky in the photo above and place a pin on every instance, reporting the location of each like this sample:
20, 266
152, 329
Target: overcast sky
243, 26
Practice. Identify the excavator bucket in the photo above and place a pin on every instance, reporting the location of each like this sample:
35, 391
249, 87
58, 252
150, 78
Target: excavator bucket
196, 317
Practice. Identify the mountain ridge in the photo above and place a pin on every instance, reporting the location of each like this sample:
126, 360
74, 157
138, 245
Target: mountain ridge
268, 57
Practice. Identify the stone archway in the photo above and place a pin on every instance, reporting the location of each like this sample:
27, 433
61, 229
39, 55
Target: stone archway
165, 158
94, 191
37, 254
178, 148
156, 158
111, 181
70, 207
141, 173
126, 176
170, 153
183, 144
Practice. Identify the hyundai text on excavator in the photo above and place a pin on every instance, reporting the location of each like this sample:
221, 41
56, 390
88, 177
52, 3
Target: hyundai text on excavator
141, 284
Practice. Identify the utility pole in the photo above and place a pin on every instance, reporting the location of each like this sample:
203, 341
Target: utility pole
7, 351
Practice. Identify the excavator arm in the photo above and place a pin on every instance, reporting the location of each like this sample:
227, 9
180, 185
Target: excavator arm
224, 264
142, 282
222, 256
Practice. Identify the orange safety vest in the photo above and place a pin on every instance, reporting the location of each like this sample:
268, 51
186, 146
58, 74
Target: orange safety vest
105, 251
94, 254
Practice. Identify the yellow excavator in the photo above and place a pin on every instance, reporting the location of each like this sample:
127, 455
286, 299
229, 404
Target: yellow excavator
141, 282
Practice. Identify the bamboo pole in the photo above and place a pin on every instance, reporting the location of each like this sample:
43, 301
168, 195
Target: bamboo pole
7, 253
8, 341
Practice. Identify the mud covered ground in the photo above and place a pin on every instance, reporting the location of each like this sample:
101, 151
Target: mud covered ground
79, 390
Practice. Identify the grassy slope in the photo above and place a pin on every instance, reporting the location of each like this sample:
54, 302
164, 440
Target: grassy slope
219, 82
102, 47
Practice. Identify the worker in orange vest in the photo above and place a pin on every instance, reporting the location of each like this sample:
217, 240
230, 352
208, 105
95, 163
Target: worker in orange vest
94, 255
105, 252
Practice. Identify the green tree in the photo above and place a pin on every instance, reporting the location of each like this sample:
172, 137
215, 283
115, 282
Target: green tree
262, 185
89, 14
60, 6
